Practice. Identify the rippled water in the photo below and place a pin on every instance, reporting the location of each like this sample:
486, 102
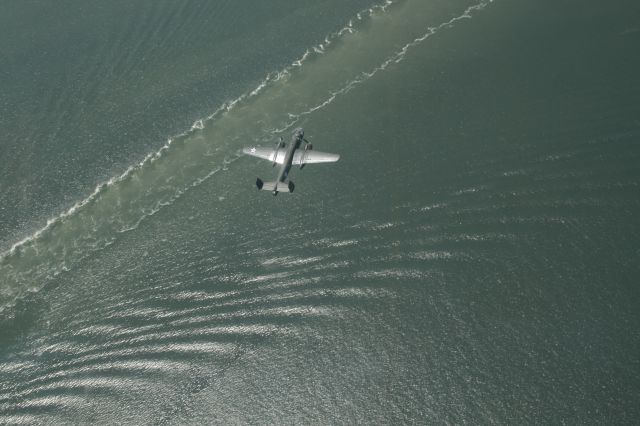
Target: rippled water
472, 257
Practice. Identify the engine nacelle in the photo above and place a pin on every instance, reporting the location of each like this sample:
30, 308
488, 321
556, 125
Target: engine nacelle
279, 145
307, 147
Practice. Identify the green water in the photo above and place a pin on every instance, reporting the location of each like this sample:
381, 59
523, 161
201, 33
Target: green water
471, 258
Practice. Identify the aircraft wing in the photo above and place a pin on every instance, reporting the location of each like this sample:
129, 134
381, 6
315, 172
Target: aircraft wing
313, 157
266, 153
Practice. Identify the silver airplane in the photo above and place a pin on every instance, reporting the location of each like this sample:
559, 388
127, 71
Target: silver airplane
287, 157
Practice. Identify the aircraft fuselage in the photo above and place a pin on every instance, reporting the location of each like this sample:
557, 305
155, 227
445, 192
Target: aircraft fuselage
287, 156
296, 140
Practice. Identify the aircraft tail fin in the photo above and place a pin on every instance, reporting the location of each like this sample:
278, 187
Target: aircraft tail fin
275, 186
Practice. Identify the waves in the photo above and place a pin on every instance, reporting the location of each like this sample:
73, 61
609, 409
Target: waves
135, 342
120, 221
193, 330
175, 336
484, 271
282, 100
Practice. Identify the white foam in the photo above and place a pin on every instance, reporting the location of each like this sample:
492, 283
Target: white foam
163, 347
132, 365
267, 277
300, 310
397, 57
13, 367
197, 125
54, 401
347, 29
386, 225
430, 255
115, 383
21, 419
291, 260
396, 274
343, 243
431, 207
471, 190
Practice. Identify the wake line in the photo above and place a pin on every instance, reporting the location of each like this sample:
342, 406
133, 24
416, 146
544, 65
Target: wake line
397, 57
197, 125
122, 203
62, 267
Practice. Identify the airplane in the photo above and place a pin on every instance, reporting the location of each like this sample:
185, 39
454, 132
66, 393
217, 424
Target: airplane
287, 157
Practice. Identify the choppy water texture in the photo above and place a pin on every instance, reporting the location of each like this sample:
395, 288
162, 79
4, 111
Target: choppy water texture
473, 257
